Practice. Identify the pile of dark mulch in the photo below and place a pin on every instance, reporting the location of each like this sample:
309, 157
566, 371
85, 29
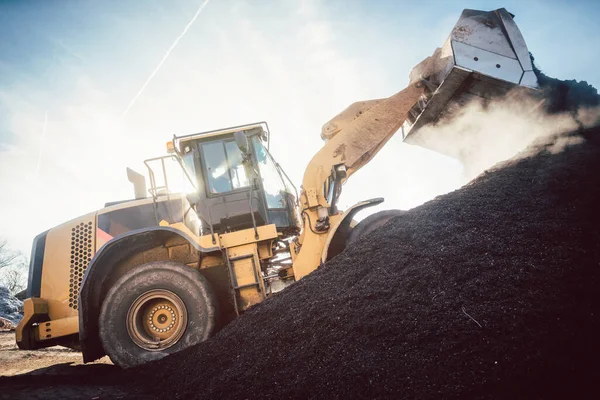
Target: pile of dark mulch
490, 291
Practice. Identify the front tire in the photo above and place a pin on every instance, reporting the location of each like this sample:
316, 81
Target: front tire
371, 223
154, 310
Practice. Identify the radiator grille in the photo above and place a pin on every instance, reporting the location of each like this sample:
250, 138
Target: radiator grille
81, 254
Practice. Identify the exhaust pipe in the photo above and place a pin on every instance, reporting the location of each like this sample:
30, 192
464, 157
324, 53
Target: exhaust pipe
139, 183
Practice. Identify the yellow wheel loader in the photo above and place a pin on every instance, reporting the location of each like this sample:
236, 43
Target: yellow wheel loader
140, 279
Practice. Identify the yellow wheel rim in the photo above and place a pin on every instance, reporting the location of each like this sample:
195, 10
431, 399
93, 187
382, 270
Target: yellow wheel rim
156, 320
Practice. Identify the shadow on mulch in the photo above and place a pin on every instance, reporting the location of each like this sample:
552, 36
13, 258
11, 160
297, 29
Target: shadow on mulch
67, 381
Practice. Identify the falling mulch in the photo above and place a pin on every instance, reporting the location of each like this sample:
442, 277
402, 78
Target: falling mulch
490, 291
565, 95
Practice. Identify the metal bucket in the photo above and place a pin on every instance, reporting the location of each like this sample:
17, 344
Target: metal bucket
484, 58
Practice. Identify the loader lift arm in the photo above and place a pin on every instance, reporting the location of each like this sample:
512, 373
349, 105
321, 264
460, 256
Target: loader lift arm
484, 58
353, 138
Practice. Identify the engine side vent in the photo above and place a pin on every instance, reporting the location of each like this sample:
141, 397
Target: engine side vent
81, 254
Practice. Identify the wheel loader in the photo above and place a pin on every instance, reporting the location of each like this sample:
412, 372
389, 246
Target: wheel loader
143, 278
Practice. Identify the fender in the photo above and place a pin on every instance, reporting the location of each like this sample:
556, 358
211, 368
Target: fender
98, 279
338, 233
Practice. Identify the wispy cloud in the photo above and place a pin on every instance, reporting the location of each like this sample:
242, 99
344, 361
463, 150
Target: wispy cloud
162, 61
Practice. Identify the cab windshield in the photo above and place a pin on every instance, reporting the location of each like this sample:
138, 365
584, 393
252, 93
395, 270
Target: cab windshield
224, 168
273, 184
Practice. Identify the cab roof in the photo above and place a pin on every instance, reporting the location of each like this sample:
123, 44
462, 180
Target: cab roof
256, 128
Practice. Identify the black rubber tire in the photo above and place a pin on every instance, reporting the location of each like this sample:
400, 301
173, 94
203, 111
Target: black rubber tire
184, 281
370, 223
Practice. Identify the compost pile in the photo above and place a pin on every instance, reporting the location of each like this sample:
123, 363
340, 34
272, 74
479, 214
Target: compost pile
489, 291
11, 310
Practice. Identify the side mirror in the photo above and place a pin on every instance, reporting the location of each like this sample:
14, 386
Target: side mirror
242, 142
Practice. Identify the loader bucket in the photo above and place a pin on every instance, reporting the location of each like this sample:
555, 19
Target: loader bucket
484, 58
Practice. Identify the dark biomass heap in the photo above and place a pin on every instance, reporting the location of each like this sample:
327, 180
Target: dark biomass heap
489, 291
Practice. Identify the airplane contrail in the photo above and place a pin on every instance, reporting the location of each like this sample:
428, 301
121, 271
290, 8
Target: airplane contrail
42, 139
131, 103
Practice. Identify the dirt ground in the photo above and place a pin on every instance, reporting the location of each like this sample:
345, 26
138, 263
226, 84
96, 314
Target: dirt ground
55, 370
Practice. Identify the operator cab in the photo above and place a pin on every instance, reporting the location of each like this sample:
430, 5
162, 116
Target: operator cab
239, 184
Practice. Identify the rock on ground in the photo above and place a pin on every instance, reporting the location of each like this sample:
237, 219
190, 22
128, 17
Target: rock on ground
11, 309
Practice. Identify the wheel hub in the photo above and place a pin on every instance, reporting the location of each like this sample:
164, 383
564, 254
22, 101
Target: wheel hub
156, 320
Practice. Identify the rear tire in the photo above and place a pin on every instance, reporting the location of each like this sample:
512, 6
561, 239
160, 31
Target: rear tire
372, 222
154, 310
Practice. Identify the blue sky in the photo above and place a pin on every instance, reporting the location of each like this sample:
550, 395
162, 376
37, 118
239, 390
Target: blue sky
69, 69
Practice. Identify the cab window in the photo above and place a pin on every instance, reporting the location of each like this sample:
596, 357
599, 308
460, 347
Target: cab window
223, 163
272, 183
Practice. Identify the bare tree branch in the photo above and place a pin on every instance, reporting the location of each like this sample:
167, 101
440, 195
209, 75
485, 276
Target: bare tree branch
13, 279
13, 268
7, 256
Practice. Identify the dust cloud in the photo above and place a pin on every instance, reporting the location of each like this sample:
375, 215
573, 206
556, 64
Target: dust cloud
481, 134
